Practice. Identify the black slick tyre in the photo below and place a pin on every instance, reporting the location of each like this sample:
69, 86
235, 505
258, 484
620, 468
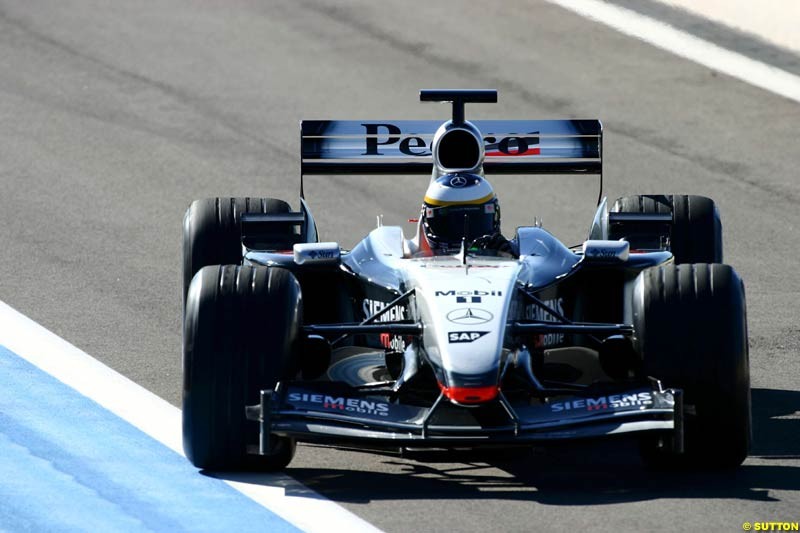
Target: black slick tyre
696, 230
691, 332
212, 231
241, 335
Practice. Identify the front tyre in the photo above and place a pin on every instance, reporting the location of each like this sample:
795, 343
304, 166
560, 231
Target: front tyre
691, 331
241, 335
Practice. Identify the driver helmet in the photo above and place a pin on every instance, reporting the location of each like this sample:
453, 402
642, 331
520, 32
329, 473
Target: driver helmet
457, 206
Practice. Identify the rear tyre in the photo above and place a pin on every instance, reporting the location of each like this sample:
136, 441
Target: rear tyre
696, 232
241, 335
212, 231
691, 329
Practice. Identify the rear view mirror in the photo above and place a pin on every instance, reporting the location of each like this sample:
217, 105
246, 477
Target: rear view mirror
606, 251
317, 253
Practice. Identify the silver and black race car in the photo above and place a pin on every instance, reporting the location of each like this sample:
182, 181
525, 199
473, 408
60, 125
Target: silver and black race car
641, 330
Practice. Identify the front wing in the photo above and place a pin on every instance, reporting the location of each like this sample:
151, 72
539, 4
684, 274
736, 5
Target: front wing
311, 413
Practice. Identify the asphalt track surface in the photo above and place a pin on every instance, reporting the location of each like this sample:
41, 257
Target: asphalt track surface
114, 116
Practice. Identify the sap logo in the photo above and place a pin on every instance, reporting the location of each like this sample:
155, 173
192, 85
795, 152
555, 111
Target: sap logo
371, 307
388, 134
457, 337
615, 401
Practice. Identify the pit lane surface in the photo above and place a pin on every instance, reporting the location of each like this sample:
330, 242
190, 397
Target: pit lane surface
113, 117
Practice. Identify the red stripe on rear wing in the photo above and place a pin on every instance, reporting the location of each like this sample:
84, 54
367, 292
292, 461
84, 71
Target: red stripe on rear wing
403, 146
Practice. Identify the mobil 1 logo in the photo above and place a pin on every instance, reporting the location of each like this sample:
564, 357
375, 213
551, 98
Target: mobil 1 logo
458, 337
474, 297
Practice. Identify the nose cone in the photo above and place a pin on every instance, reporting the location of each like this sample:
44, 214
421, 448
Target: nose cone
463, 310
470, 395
470, 389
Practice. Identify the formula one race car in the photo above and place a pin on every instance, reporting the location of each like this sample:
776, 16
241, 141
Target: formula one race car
458, 337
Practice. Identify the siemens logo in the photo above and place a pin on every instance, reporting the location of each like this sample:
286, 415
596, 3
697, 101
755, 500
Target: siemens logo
614, 401
371, 307
338, 403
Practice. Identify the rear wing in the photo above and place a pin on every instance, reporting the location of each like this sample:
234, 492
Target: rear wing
403, 146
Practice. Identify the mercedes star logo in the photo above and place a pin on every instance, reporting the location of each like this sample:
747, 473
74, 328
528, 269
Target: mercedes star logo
469, 316
458, 181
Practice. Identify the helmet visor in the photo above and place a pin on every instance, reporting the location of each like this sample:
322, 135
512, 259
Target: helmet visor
447, 225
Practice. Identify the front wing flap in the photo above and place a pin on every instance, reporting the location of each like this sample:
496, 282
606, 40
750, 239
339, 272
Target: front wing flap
335, 418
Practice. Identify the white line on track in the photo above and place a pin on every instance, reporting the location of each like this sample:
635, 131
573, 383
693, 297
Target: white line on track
687, 46
162, 421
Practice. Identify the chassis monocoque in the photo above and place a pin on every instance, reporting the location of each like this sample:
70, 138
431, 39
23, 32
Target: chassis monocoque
641, 330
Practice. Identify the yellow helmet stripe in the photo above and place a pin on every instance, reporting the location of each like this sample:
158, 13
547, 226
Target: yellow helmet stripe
442, 203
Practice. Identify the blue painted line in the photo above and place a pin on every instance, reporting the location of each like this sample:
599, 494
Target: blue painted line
68, 464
